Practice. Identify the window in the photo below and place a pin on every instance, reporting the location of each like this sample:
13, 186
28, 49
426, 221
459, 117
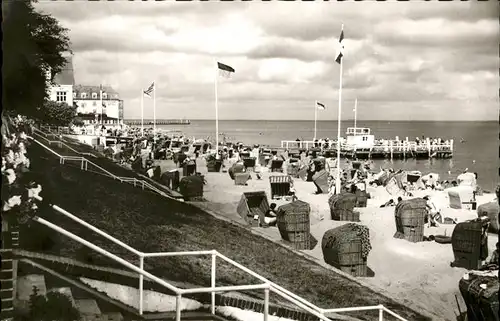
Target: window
61, 96
94, 95
83, 95
104, 96
365, 138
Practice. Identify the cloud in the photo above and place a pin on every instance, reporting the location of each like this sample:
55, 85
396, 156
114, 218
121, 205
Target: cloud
402, 60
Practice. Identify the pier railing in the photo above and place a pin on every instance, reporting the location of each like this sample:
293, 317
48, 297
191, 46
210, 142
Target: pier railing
267, 285
386, 146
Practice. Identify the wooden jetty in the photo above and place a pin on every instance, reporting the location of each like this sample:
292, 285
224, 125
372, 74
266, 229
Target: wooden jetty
138, 122
391, 149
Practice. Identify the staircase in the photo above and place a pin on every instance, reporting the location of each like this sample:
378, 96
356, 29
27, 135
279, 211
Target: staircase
91, 307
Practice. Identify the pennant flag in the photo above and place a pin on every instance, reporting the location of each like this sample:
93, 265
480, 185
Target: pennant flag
340, 53
150, 90
320, 105
225, 70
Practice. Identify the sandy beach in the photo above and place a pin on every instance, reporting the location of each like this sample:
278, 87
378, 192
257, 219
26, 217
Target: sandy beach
419, 273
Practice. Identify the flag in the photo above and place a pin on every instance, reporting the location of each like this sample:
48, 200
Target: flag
150, 89
340, 53
320, 105
225, 70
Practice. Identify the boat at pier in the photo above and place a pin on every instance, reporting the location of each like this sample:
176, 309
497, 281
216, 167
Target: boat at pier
361, 144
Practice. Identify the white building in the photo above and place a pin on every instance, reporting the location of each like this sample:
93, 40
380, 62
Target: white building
62, 88
89, 107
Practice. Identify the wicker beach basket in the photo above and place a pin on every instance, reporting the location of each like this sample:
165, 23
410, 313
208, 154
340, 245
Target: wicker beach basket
292, 169
294, 224
236, 168
302, 173
280, 186
491, 211
319, 163
277, 165
410, 219
191, 187
347, 247
342, 207
470, 245
189, 168
362, 197
249, 163
171, 179
482, 302
241, 178
252, 204
320, 179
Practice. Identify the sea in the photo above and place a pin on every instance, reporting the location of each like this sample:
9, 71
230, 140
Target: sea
476, 144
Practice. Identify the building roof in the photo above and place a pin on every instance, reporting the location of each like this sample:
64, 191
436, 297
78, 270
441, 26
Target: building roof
78, 89
66, 76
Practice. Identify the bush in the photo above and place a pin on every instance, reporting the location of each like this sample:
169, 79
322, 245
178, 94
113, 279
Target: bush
54, 306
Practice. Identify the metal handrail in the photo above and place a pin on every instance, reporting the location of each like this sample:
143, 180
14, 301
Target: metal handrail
267, 285
60, 142
85, 163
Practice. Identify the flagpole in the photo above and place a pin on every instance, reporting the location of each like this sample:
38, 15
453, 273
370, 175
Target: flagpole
355, 114
100, 98
142, 112
315, 117
216, 116
154, 111
338, 185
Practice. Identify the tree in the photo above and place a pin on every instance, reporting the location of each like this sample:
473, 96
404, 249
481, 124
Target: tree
55, 113
32, 43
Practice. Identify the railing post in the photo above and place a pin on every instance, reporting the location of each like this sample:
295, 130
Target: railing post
141, 284
380, 313
178, 307
142, 185
266, 304
86, 165
82, 165
214, 261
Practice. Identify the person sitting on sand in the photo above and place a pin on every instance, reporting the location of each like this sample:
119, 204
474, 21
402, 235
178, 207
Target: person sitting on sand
388, 203
269, 218
495, 256
433, 212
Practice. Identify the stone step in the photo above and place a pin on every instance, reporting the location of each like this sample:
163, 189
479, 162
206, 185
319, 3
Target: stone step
88, 307
26, 283
66, 291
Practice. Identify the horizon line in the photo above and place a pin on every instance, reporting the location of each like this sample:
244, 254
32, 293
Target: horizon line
302, 120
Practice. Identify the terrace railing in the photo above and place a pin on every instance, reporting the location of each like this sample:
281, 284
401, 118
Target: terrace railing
267, 285
84, 166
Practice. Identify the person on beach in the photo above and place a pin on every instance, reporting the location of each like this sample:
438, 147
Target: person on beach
433, 212
269, 218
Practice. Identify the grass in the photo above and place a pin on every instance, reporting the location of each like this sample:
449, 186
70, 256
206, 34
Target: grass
152, 223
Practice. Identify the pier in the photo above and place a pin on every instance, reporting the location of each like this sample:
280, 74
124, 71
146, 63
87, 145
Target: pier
391, 149
149, 122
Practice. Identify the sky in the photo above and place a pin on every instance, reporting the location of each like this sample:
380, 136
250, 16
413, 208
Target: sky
403, 61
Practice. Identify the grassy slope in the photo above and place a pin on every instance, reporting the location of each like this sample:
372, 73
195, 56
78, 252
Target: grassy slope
152, 223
